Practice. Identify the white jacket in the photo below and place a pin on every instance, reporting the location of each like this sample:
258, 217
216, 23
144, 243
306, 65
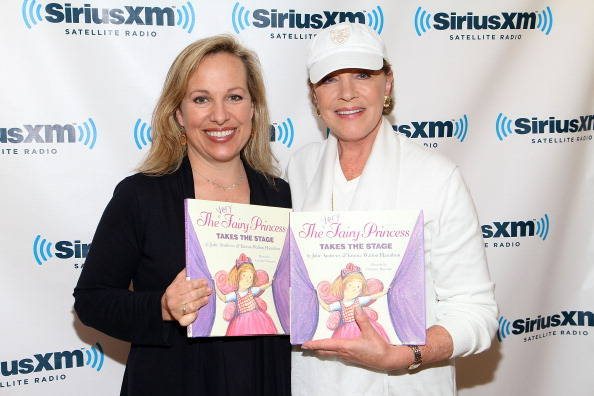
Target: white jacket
399, 174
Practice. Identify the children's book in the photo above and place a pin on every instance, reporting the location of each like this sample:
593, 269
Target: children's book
373, 260
237, 248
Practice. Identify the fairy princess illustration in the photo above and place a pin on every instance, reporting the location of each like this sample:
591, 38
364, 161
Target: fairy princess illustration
240, 289
349, 290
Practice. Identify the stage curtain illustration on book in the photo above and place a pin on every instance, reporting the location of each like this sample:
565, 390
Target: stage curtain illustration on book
304, 299
408, 288
281, 284
196, 268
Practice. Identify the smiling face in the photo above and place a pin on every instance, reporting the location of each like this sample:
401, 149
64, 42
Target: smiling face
216, 110
246, 278
350, 102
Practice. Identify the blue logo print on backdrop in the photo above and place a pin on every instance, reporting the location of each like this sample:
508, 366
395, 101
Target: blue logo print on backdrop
515, 229
141, 132
273, 19
283, 132
549, 130
37, 368
45, 250
38, 135
456, 129
508, 24
563, 323
109, 22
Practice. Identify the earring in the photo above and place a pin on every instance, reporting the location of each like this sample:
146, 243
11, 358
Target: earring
387, 101
318, 112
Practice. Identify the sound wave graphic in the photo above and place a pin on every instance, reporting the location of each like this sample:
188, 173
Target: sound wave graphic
240, 18
186, 17
545, 21
503, 330
95, 357
42, 250
421, 21
542, 227
375, 19
285, 132
88, 133
461, 128
31, 13
142, 134
503, 126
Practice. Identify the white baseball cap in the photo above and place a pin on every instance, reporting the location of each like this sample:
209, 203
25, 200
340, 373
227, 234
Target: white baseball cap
343, 46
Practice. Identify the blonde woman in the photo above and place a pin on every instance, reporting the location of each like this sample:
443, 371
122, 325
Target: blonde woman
210, 141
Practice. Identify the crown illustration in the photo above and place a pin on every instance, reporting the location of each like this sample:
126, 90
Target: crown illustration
243, 259
350, 269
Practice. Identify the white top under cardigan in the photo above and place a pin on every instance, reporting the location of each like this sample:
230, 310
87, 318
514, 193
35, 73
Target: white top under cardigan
399, 174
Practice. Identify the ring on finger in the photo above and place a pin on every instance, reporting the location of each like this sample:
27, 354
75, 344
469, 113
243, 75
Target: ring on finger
184, 309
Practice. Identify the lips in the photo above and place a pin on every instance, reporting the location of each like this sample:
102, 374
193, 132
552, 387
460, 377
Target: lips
220, 135
346, 112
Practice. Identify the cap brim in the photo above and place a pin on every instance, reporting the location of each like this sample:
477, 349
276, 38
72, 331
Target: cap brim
350, 60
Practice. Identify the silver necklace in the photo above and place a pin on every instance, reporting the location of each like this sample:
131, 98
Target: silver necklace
219, 185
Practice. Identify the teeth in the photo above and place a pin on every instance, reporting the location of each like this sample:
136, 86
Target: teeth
220, 134
347, 112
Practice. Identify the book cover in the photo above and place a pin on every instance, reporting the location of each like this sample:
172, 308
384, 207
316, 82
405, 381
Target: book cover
243, 253
372, 259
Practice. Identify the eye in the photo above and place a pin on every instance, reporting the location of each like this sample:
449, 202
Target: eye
235, 98
328, 80
363, 75
200, 100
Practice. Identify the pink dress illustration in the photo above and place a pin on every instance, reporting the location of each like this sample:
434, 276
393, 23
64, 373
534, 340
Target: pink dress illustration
348, 291
240, 289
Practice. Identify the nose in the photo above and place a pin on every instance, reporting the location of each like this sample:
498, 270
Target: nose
219, 113
347, 89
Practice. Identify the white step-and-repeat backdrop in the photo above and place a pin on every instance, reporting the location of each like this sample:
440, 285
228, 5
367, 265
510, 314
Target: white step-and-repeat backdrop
505, 88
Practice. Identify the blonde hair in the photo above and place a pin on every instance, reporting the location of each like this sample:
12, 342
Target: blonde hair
234, 274
167, 150
337, 287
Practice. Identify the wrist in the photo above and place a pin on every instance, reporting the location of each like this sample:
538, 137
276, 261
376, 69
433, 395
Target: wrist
417, 357
398, 358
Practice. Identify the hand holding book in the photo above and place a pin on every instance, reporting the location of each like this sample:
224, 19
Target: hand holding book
183, 298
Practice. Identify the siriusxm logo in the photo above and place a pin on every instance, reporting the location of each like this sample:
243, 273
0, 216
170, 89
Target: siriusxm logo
55, 361
283, 132
515, 229
423, 21
435, 129
561, 319
84, 133
184, 17
242, 18
142, 134
43, 250
505, 126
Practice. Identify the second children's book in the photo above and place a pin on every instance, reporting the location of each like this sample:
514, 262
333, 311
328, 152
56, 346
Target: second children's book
344, 260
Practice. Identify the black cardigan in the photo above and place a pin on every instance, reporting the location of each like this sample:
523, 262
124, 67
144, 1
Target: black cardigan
140, 239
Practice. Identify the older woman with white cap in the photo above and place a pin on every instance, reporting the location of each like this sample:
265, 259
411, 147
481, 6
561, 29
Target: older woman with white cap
365, 165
